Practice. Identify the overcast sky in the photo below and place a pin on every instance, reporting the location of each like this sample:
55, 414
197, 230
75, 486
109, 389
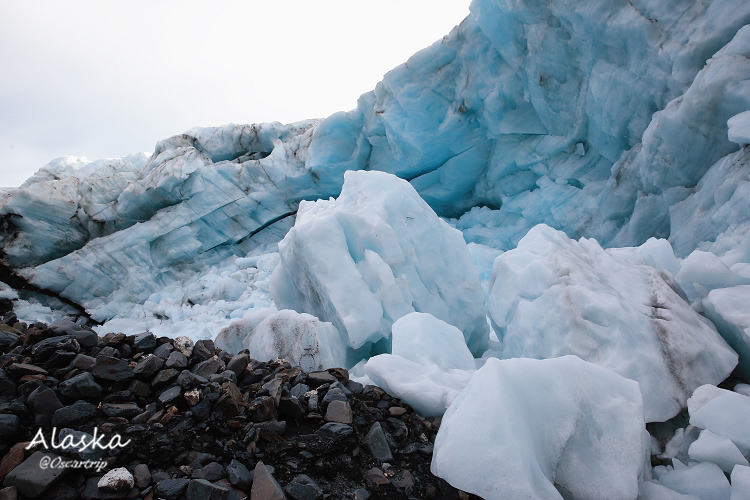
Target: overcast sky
104, 79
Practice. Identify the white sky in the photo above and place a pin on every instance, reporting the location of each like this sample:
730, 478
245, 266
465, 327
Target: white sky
103, 79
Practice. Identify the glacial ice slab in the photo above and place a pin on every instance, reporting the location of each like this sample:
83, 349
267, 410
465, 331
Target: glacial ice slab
728, 309
376, 253
553, 296
544, 429
739, 128
429, 366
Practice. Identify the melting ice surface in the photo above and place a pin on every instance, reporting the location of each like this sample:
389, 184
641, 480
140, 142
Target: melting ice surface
593, 154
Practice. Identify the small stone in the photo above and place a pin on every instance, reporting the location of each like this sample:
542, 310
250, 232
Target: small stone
299, 390
12, 459
184, 345
238, 363
339, 411
354, 387
82, 385
83, 362
9, 425
20, 369
274, 387
170, 395
239, 475
163, 350
144, 342
265, 487
45, 403
211, 472
376, 444
147, 366
165, 376
334, 431
30, 478
207, 368
126, 410
201, 489
8, 339
376, 477
9, 493
170, 489
140, 389
302, 487
141, 475
176, 360
203, 349
188, 379
93, 492
192, 397
41, 351
77, 413
117, 480
111, 368
396, 411
315, 379
361, 494
291, 407
406, 480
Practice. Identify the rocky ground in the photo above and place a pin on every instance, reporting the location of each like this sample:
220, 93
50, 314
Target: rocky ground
202, 424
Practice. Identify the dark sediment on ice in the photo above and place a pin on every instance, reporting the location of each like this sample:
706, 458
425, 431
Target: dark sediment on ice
202, 424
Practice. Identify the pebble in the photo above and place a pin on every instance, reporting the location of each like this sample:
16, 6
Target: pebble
32, 480
375, 442
82, 385
184, 345
239, 475
176, 360
117, 480
111, 368
9, 425
334, 431
141, 475
202, 489
265, 487
170, 489
339, 411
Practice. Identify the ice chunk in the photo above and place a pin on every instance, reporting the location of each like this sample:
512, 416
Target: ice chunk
739, 128
553, 296
301, 339
544, 429
728, 309
740, 483
723, 412
706, 269
710, 447
703, 480
231, 338
429, 366
373, 255
650, 490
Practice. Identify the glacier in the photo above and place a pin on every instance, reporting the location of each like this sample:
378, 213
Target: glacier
549, 179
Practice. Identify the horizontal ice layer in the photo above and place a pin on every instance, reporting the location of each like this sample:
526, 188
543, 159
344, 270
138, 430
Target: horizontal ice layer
544, 429
553, 296
429, 366
373, 255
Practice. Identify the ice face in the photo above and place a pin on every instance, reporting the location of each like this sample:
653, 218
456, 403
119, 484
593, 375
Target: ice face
373, 255
542, 427
553, 296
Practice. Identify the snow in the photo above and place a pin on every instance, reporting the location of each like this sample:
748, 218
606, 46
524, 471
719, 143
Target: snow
553, 296
373, 255
542, 427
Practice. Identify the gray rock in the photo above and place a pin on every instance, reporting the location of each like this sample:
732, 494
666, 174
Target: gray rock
170, 395
144, 342
274, 387
361, 494
188, 379
85, 338
354, 388
77, 413
238, 363
376, 444
265, 486
9, 425
83, 362
315, 379
110, 351
333, 394
126, 410
312, 402
82, 385
41, 351
272, 427
165, 376
184, 345
170, 488
291, 407
176, 360
299, 390
90, 453
225, 376
207, 368
142, 475
339, 411
92, 491
204, 349
21, 369
239, 475
44, 403
111, 368
201, 489
140, 388
163, 350
303, 488
334, 431
210, 472
9, 493
8, 340
30, 478
148, 366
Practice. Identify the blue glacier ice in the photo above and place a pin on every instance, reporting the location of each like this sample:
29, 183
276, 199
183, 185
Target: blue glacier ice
595, 154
